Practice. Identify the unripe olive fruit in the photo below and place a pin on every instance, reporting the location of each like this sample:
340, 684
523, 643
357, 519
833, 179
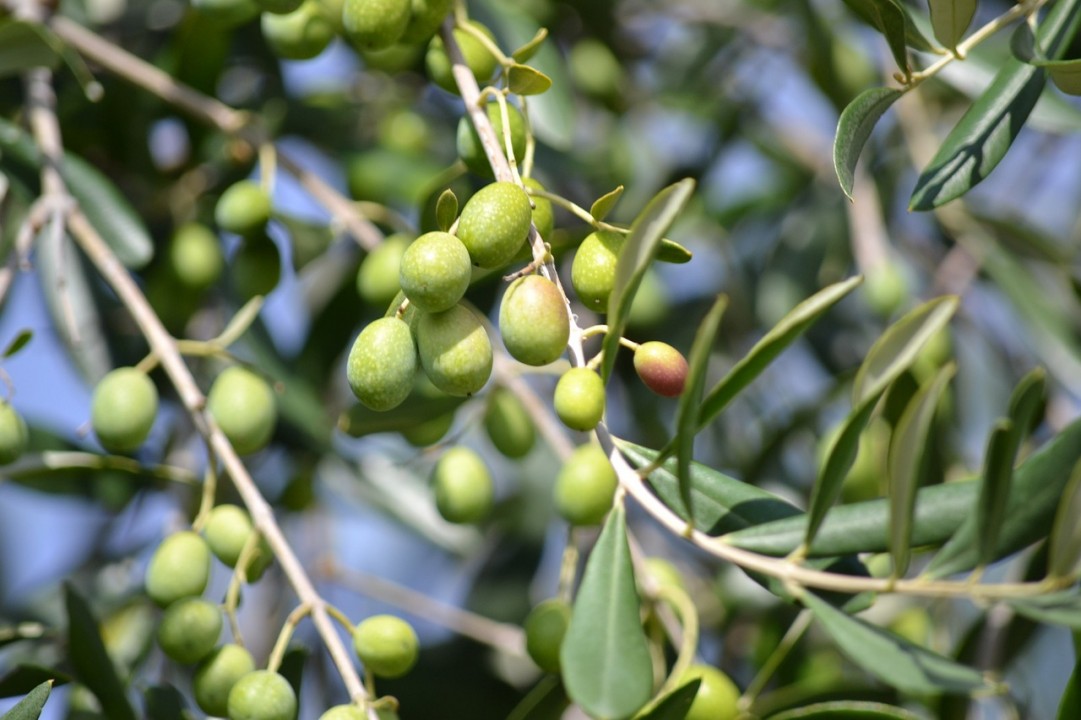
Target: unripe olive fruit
195, 256
300, 34
382, 364
593, 271
885, 288
544, 628
244, 208
279, 7
508, 424
585, 486
542, 210
664, 573
227, 531
470, 149
480, 61
455, 351
579, 399
189, 629
387, 645
216, 675
262, 695
464, 492
256, 267
123, 409
494, 224
661, 367
227, 13
344, 712
377, 278
534, 321
425, 19
179, 568
429, 432
243, 405
375, 24
717, 695
13, 434
435, 271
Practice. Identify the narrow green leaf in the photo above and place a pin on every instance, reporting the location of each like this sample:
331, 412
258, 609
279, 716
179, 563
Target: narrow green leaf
994, 489
109, 212
1065, 539
838, 462
892, 659
906, 454
241, 321
898, 347
605, 656
24, 45
524, 80
18, 343
672, 252
604, 204
950, 19
528, 50
29, 708
1026, 400
1066, 74
983, 135
446, 209
1035, 495
891, 19
638, 252
1059, 608
689, 400
1069, 706
165, 702
675, 704
24, 677
846, 710
92, 663
857, 121
770, 346
546, 701
722, 504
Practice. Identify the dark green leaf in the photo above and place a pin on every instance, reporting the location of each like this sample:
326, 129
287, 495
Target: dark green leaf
950, 19
606, 664
18, 343
29, 708
894, 660
1070, 705
638, 252
546, 701
1034, 498
109, 212
1059, 608
24, 677
1065, 539
241, 321
446, 210
528, 50
983, 135
359, 420
899, 346
674, 705
92, 663
891, 19
524, 80
854, 127
604, 204
770, 346
846, 710
25, 45
292, 667
994, 489
165, 702
722, 504
1026, 400
906, 454
689, 400
672, 252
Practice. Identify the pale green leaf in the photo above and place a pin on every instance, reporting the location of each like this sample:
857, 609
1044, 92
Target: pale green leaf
604, 204
854, 127
950, 19
605, 658
528, 50
29, 708
524, 80
446, 210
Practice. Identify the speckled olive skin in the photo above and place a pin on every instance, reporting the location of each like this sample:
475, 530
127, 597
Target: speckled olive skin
179, 568
375, 24
217, 674
301, 34
494, 224
382, 364
579, 399
455, 351
534, 321
661, 367
593, 271
464, 491
387, 645
585, 486
470, 149
435, 271
262, 695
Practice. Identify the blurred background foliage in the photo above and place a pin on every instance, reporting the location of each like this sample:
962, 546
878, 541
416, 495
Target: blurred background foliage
742, 96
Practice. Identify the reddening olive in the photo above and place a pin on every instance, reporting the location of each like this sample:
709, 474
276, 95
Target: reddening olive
661, 367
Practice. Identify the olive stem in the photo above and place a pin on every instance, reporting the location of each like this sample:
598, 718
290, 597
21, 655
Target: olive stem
791, 637
678, 598
286, 634
462, 23
341, 617
50, 460
577, 210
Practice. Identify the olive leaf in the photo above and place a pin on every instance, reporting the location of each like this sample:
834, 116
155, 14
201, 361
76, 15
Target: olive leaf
604, 204
18, 343
857, 121
524, 80
528, 50
30, 707
446, 210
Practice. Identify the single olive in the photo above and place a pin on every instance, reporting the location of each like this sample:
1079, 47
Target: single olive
189, 629
579, 399
13, 434
494, 223
717, 695
179, 568
585, 486
425, 19
123, 409
464, 491
387, 645
455, 351
301, 34
344, 712
593, 271
382, 364
227, 530
377, 278
244, 407
375, 24
216, 675
435, 271
195, 256
478, 58
508, 424
534, 320
661, 367
544, 630
244, 208
256, 267
262, 695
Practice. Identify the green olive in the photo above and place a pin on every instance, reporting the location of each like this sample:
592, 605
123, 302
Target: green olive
195, 256
300, 34
429, 432
244, 407
344, 712
494, 223
244, 208
464, 491
179, 568
13, 434
478, 58
377, 278
544, 630
425, 19
717, 695
227, 531
508, 424
435, 271
585, 486
593, 271
579, 399
382, 364
387, 645
455, 351
189, 629
375, 24
123, 409
470, 149
534, 321
227, 13
279, 7
661, 367
262, 695
216, 675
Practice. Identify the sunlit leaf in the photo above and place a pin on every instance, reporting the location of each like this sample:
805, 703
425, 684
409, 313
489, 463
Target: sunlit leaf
30, 707
854, 127
770, 346
906, 455
446, 209
18, 342
983, 135
605, 658
604, 204
92, 663
950, 19
528, 50
1065, 539
687, 412
524, 80
846, 710
892, 659
637, 253
675, 704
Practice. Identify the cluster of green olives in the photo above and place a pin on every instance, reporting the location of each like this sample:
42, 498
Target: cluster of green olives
226, 682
